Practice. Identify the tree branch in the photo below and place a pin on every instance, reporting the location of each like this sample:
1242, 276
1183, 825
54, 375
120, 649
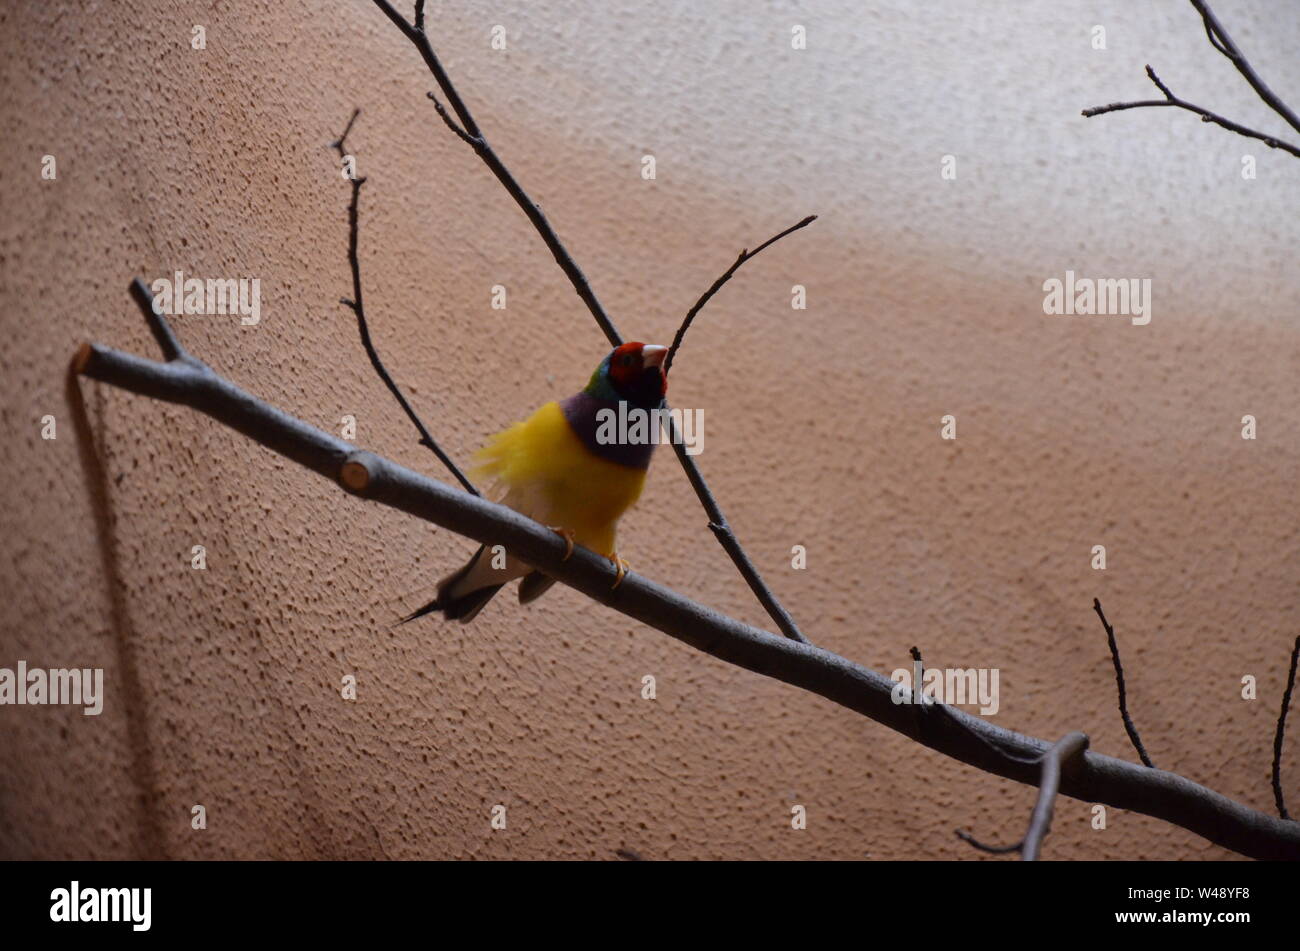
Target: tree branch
1119, 682
1220, 40
745, 255
184, 380
1205, 114
471, 133
985, 847
467, 129
1281, 732
358, 308
1065, 751
926, 706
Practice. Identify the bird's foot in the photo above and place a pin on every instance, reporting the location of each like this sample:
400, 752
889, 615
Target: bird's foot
567, 535
622, 567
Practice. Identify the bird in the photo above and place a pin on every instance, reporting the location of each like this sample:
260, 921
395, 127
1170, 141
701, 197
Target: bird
559, 468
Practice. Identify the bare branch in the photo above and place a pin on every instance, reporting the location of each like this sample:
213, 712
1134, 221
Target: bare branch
471, 141
1205, 114
1050, 762
745, 255
1065, 751
474, 135
1096, 778
991, 849
1151, 74
1220, 40
359, 309
469, 132
1119, 681
925, 707
1281, 732
162, 332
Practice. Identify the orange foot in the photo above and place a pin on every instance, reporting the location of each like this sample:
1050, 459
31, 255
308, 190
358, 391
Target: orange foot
567, 535
622, 567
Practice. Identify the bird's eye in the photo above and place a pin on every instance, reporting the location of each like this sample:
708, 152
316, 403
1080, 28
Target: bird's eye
627, 360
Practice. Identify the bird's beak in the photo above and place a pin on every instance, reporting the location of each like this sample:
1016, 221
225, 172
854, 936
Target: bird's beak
653, 355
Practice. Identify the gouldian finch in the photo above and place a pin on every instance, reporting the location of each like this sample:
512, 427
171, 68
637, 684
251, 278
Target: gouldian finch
557, 468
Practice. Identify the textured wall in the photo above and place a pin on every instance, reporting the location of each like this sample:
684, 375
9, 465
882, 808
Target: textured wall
822, 426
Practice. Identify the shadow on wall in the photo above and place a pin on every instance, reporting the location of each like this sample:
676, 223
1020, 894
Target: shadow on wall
135, 701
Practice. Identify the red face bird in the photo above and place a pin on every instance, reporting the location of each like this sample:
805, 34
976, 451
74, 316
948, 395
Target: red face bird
635, 372
555, 468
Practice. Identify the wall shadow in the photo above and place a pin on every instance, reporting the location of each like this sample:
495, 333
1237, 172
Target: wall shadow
135, 703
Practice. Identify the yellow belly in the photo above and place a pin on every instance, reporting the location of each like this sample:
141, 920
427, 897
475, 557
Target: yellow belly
543, 470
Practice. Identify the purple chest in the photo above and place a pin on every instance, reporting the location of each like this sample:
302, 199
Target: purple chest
581, 411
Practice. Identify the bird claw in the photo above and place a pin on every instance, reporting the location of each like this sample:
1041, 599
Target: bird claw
567, 535
622, 567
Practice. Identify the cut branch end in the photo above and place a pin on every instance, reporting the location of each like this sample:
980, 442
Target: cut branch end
354, 476
81, 359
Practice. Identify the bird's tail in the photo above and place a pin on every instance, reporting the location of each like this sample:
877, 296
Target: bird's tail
462, 594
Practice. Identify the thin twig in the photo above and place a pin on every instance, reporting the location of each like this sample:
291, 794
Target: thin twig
925, 707
467, 129
991, 849
1064, 751
1222, 42
1205, 114
745, 255
473, 134
1281, 732
162, 332
186, 381
1119, 681
359, 309
471, 141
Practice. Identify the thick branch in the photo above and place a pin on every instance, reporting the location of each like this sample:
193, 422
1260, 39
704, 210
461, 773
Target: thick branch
464, 126
963, 737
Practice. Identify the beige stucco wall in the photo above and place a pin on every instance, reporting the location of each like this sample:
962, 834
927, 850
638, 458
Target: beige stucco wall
822, 426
